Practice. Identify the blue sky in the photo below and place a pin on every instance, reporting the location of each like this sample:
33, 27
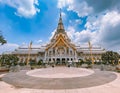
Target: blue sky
23, 21
19, 29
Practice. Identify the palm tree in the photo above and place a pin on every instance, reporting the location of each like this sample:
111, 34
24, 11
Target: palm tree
2, 40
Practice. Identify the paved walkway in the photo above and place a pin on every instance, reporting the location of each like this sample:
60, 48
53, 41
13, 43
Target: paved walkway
98, 82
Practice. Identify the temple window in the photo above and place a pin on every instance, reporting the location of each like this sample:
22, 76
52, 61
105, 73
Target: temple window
50, 52
71, 52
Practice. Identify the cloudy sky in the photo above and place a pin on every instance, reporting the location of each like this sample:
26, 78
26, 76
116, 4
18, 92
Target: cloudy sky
22, 21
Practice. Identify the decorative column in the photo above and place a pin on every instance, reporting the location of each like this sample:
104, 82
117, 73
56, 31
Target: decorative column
69, 52
75, 55
65, 51
51, 52
45, 56
56, 51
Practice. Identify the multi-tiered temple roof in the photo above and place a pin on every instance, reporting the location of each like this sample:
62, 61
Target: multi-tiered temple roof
61, 41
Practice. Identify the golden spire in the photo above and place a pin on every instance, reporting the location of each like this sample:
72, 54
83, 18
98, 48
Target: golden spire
60, 27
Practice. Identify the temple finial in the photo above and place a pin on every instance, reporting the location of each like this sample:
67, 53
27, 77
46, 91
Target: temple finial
60, 27
60, 13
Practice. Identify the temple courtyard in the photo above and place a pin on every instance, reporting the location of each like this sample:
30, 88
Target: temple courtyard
60, 80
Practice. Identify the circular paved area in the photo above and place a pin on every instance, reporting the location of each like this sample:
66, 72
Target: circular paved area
60, 72
22, 80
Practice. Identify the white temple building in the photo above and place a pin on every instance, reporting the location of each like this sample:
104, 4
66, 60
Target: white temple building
60, 49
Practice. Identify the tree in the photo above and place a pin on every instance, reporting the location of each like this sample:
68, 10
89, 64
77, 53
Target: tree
2, 40
39, 62
9, 59
110, 57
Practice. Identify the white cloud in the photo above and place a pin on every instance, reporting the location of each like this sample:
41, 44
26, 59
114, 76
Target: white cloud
110, 30
63, 14
25, 8
70, 32
88, 7
105, 26
103, 30
39, 41
78, 6
52, 34
8, 47
63, 3
81, 8
100, 6
78, 21
80, 37
103, 21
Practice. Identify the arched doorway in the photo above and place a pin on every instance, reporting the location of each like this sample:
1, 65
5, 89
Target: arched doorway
58, 61
63, 61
